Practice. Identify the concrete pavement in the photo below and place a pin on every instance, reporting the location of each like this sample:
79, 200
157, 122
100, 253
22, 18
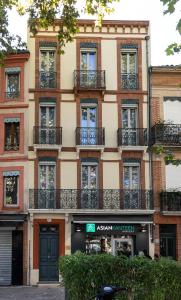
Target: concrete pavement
31, 293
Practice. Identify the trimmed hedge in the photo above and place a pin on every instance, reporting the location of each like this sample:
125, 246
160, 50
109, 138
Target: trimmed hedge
84, 274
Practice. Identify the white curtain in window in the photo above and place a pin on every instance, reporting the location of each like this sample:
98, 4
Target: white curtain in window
172, 111
173, 177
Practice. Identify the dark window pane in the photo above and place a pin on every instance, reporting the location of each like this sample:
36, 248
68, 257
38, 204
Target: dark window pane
12, 136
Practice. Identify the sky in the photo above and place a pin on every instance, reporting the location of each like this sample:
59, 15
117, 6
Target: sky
162, 27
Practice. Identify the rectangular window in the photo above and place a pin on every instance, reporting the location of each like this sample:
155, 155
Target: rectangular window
89, 176
11, 190
131, 186
12, 134
47, 133
129, 69
89, 185
129, 125
12, 85
89, 131
88, 65
88, 58
47, 68
47, 175
47, 185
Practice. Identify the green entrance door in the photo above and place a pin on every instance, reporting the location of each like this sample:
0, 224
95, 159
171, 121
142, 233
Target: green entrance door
49, 253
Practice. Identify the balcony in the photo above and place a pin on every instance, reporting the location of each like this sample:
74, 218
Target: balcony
47, 137
90, 138
166, 134
132, 138
91, 199
12, 95
89, 80
47, 80
129, 81
170, 202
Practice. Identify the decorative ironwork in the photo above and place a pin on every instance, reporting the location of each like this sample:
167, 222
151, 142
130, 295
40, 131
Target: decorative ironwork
12, 95
170, 201
111, 199
91, 199
47, 135
88, 79
166, 134
132, 136
129, 81
48, 80
137, 199
90, 136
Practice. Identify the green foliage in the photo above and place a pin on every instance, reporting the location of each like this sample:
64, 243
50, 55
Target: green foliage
43, 13
145, 279
8, 43
169, 157
170, 9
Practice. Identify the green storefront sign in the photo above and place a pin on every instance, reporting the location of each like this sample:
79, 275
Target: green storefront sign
119, 228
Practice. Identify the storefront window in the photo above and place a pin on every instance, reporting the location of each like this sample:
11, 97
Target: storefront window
113, 244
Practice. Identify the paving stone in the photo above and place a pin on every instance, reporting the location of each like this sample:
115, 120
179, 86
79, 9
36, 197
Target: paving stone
32, 293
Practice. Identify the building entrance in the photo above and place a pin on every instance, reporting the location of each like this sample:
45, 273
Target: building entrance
49, 252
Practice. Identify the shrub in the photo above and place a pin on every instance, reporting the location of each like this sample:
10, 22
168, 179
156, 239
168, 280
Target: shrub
145, 279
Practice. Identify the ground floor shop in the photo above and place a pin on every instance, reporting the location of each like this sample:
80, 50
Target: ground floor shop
117, 235
13, 260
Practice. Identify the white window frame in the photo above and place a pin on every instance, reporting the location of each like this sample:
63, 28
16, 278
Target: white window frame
128, 52
88, 105
47, 49
46, 163
47, 105
88, 50
132, 165
129, 106
90, 164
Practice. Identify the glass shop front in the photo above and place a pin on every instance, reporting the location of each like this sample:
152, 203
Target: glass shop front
114, 238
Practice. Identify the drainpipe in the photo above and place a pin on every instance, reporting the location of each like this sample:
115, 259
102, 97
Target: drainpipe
149, 123
149, 70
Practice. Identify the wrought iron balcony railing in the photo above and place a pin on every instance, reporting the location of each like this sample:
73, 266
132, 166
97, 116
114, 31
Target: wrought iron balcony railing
89, 80
129, 81
91, 199
12, 95
47, 135
90, 136
132, 137
48, 80
166, 134
170, 201
10, 146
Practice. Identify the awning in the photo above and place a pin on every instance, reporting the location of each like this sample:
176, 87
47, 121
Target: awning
8, 220
136, 219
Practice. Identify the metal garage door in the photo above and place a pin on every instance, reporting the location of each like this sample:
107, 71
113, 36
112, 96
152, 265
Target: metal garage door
5, 257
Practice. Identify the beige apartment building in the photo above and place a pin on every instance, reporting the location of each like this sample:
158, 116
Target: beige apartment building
89, 170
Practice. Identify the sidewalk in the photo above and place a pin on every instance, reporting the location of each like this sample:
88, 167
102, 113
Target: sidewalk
31, 293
